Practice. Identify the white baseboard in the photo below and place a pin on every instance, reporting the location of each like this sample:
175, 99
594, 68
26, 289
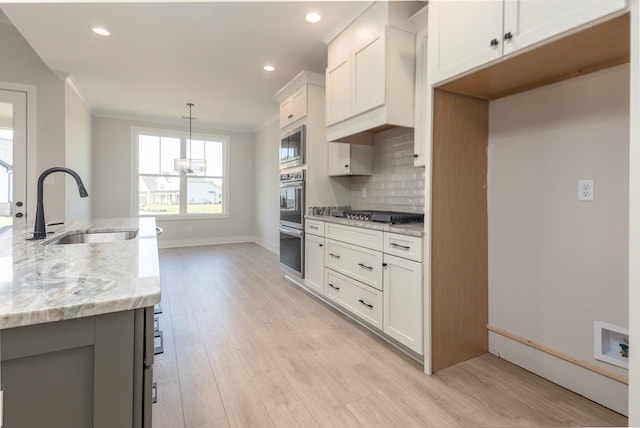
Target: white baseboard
271, 246
213, 240
598, 388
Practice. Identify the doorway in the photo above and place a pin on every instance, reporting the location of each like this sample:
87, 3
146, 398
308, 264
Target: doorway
13, 158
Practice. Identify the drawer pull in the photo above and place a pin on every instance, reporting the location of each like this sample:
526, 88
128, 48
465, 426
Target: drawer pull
334, 255
365, 266
404, 247
333, 286
313, 227
365, 303
384, 265
320, 245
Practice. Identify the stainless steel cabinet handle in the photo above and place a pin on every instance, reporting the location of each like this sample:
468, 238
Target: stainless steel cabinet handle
365, 303
334, 255
333, 286
313, 227
363, 266
404, 247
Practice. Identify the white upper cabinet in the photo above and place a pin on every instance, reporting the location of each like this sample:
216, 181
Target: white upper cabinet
371, 71
350, 159
527, 22
468, 34
420, 127
465, 34
293, 108
369, 85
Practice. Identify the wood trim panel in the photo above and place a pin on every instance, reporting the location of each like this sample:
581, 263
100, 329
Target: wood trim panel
596, 48
546, 349
459, 273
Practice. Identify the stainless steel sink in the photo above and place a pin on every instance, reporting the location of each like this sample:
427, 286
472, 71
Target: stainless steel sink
94, 237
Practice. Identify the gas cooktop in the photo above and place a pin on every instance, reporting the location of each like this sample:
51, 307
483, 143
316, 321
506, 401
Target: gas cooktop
392, 217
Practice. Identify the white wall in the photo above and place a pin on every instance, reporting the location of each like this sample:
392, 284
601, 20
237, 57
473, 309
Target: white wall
112, 154
556, 265
20, 64
77, 153
634, 215
267, 174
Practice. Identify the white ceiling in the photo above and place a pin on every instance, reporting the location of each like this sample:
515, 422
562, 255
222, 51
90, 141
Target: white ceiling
162, 55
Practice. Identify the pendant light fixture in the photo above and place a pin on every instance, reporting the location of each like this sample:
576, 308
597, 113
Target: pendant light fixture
190, 165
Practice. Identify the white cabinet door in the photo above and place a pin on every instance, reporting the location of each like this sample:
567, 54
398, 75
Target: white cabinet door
527, 22
338, 94
420, 130
286, 112
293, 108
403, 301
463, 35
314, 257
299, 102
339, 158
369, 76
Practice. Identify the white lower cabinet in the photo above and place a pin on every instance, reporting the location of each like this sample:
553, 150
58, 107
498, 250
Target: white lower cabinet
403, 291
314, 256
361, 300
359, 263
376, 276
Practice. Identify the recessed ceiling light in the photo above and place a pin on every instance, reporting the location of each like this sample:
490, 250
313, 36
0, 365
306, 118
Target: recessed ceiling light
313, 18
101, 31
269, 67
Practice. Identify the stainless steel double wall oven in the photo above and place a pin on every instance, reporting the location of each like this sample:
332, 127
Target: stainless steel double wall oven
292, 208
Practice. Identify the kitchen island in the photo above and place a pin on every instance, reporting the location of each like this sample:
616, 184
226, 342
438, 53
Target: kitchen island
76, 325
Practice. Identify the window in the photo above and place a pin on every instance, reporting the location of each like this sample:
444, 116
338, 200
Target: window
165, 192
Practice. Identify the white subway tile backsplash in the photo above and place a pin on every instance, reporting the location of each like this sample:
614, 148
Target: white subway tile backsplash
395, 184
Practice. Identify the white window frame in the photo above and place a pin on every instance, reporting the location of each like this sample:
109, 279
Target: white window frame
136, 131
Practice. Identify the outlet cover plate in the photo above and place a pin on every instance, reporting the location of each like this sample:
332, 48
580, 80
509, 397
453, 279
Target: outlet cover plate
586, 190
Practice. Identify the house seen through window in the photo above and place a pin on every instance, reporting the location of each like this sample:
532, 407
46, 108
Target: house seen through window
164, 191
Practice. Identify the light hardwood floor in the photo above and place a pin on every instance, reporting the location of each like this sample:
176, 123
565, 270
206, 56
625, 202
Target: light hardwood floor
244, 348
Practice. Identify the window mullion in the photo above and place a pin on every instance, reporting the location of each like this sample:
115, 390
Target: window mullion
183, 179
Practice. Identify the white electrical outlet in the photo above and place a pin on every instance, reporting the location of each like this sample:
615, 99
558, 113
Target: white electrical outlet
364, 192
586, 190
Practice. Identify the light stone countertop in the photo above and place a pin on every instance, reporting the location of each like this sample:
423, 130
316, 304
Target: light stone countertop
42, 283
409, 229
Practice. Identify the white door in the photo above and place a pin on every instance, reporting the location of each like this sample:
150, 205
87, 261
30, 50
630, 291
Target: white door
314, 256
530, 21
13, 157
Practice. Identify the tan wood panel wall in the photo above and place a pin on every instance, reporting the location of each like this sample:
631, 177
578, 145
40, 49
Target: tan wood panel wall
459, 229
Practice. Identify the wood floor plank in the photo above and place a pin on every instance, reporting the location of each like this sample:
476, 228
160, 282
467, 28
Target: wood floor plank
247, 348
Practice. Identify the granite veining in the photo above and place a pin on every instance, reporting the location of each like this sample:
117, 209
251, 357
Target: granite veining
44, 283
409, 229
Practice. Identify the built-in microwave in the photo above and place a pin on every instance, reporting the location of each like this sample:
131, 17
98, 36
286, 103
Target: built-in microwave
292, 147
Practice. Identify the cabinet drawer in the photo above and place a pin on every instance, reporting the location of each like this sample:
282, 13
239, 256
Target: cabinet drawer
354, 235
408, 247
363, 301
356, 262
314, 227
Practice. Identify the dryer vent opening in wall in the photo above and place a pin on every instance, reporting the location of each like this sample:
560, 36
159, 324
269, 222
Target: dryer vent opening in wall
611, 344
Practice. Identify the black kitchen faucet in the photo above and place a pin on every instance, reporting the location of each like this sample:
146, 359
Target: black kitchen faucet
40, 228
